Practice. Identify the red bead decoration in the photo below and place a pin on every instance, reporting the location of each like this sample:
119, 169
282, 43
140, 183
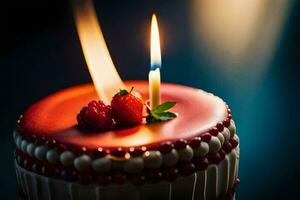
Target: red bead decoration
222, 154
119, 177
206, 137
99, 153
36, 167
51, 143
19, 159
104, 179
214, 158
27, 164
77, 151
118, 153
69, 175
200, 163
227, 147
214, 131
237, 181
220, 127
229, 111
57, 173
226, 122
154, 176
186, 168
233, 142
166, 147
62, 147
138, 179
136, 152
33, 138
180, 144
48, 170
195, 142
170, 174
42, 140
84, 178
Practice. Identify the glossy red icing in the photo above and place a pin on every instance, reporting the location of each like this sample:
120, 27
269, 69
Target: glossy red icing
54, 117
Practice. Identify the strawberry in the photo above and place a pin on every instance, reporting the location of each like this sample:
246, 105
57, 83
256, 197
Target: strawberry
127, 108
96, 116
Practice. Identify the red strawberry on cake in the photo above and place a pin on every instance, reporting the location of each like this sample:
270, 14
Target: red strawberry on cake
127, 108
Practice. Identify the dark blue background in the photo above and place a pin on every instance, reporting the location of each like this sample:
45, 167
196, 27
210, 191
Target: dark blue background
40, 54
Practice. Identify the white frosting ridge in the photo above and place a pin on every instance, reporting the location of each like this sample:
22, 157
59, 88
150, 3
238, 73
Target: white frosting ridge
30, 149
118, 164
40, 152
125, 191
66, 158
24, 144
82, 163
101, 164
226, 134
52, 156
232, 128
153, 159
202, 150
232, 168
18, 142
183, 187
135, 165
214, 145
171, 158
221, 138
186, 154
200, 186
211, 183
161, 191
223, 176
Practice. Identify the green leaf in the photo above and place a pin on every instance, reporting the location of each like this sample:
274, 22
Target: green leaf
160, 117
165, 116
163, 107
160, 113
150, 119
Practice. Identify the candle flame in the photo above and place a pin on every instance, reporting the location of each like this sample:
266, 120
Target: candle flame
103, 72
155, 45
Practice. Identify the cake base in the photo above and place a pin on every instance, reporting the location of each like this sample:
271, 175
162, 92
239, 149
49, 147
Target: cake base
216, 182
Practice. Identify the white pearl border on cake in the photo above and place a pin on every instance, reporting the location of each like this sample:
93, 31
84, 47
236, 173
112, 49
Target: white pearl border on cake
150, 159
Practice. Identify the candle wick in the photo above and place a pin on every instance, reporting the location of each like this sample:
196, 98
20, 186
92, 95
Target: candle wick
155, 66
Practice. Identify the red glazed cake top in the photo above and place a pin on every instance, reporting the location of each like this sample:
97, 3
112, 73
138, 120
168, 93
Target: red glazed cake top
54, 118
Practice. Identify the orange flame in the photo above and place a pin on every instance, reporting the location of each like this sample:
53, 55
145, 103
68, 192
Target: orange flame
103, 72
155, 44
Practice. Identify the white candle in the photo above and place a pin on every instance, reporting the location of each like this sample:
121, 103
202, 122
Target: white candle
154, 88
154, 74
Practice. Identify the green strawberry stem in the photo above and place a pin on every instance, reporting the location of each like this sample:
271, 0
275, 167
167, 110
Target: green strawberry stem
123, 92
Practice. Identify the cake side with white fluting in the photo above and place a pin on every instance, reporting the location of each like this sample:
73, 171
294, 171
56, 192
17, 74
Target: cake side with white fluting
212, 183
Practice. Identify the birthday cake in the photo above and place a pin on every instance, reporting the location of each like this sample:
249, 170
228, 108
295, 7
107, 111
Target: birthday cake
193, 156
